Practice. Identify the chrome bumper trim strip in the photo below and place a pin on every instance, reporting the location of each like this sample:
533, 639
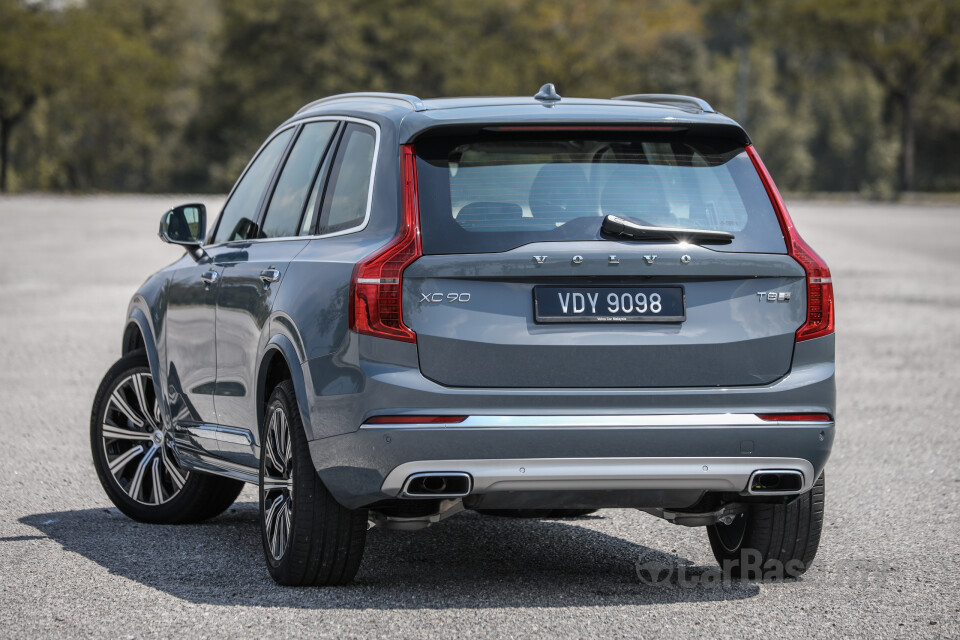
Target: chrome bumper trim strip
601, 421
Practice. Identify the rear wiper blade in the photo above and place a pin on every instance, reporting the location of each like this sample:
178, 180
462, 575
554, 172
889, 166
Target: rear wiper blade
617, 226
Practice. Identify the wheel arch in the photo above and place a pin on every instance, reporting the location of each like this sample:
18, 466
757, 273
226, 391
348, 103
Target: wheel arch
132, 338
279, 362
138, 334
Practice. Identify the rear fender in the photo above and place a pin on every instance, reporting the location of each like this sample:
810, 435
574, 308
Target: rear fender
281, 346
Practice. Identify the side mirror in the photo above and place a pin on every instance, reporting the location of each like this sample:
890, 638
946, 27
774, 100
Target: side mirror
185, 225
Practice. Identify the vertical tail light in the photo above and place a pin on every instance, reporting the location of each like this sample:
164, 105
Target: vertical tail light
820, 314
376, 307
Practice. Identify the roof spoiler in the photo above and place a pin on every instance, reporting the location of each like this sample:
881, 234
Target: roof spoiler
687, 103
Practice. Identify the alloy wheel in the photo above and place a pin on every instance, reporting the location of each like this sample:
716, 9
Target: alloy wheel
138, 448
277, 492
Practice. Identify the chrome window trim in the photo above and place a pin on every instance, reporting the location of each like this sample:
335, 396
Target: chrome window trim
373, 174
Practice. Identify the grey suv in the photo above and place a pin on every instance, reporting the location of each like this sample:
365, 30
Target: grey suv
528, 307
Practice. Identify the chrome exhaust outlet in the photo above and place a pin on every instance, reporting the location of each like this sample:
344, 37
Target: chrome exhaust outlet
435, 484
775, 482
438, 484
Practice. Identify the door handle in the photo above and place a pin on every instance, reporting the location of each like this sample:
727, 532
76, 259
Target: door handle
269, 275
210, 277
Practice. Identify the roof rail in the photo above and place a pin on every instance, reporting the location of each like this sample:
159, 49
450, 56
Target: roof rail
412, 101
684, 102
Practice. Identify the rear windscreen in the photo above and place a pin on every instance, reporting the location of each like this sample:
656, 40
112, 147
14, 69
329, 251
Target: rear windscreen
492, 194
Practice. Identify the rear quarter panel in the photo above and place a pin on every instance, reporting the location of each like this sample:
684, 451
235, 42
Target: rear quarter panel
312, 307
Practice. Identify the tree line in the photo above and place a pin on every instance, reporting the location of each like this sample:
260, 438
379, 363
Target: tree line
139, 95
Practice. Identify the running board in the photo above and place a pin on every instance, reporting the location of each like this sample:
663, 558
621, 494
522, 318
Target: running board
192, 460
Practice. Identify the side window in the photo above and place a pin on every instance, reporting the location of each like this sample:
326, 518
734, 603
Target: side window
345, 204
239, 218
299, 172
316, 193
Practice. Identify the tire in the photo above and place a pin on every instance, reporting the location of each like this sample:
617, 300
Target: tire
771, 541
134, 456
536, 513
308, 537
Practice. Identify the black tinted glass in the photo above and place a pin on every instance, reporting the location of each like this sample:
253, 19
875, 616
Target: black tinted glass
316, 191
345, 204
487, 194
296, 178
239, 218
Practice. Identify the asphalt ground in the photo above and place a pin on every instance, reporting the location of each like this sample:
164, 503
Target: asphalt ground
72, 566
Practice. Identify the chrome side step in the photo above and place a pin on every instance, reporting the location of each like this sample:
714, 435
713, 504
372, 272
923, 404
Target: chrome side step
193, 460
220, 433
196, 445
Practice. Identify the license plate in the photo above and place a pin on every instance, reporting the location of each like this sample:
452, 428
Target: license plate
609, 304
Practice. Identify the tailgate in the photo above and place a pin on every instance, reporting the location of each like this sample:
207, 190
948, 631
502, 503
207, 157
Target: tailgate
512, 223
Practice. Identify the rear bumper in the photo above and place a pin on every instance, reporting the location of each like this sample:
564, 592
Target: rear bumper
664, 457
600, 474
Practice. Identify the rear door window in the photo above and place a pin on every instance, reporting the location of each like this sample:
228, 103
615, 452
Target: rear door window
348, 192
300, 172
492, 194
